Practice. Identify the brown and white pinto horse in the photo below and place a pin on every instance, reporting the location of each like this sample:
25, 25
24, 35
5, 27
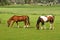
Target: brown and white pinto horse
43, 19
17, 19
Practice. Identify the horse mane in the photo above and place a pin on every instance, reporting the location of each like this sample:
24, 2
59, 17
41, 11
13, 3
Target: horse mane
12, 17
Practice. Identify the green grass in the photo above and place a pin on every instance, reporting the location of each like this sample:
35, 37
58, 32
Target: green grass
31, 33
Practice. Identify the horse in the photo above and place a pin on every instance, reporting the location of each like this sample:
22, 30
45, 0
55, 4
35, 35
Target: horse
43, 20
17, 19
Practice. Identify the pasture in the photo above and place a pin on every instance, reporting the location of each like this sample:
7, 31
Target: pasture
30, 33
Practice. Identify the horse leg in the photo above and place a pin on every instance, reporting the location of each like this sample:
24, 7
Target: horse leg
51, 26
17, 24
12, 23
43, 26
25, 24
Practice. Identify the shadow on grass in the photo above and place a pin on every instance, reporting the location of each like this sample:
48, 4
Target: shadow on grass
23, 27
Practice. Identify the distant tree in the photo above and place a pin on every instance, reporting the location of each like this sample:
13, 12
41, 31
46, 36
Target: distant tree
4, 2
22, 2
7, 2
58, 1
30, 1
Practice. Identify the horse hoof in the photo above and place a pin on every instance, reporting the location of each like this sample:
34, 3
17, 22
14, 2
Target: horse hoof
37, 28
51, 28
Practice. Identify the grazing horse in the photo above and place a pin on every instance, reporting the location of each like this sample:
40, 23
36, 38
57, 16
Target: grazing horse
43, 19
17, 19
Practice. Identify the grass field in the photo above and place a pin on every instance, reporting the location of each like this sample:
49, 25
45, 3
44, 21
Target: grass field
31, 33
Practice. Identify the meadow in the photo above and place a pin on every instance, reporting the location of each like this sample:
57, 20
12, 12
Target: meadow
33, 11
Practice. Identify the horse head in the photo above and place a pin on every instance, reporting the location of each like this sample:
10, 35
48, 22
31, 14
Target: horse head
9, 21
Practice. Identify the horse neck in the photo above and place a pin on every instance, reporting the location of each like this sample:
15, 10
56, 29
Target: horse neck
10, 19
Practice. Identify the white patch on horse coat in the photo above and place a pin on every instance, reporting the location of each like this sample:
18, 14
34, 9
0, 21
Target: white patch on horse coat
44, 18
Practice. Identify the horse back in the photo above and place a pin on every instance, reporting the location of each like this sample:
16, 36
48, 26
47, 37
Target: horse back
19, 18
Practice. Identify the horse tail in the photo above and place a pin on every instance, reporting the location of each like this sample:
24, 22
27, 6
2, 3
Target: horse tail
28, 20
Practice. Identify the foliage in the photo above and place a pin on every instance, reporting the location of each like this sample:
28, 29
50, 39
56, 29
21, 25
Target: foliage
4, 2
8, 2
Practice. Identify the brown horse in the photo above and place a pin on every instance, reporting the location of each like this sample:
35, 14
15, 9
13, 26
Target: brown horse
43, 19
17, 19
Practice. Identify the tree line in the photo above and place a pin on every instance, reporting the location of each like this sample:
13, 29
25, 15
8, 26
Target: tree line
9, 2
